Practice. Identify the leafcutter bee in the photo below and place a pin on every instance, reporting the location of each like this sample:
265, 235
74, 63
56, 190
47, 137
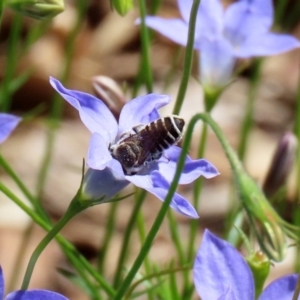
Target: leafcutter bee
135, 150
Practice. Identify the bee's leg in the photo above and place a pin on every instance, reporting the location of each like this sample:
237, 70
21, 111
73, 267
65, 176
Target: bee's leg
165, 157
156, 155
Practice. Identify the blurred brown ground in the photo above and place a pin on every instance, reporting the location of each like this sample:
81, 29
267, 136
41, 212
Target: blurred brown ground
109, 45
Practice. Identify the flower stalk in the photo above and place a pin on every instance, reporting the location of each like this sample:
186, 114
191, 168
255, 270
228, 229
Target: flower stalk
161, 215
74, 208
188, 58
268, 226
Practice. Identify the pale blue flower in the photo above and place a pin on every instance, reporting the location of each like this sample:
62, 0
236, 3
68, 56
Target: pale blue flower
28, 295
221, 273
105, 177
222, 36
7, 124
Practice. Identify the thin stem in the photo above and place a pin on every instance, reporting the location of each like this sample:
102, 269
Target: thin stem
173, 227
110, 227
1, 11
297, 289
5, 165
127, 234
70, 251
57, 103
20, 257
188, 59
13, 50
73, 209
248, 118
142, 237
161, 215
145, 42
296, 217
42, 175
36, 204
196, 198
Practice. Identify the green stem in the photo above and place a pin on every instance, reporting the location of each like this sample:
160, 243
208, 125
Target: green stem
197, 192
74, 208
297, 289
13, 50
70, 251
1, 11
145, 42
161, 215
142, 237
233, 159
173, 227
248, 118
188, 59
296, 217
14, 278
42, 175
127, 234
57, 103
110, 227
4, 164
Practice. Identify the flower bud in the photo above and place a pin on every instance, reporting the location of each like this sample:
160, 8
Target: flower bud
101, 184
122, 6
260, 267
268, 226
110, 93
37, 9
281, 164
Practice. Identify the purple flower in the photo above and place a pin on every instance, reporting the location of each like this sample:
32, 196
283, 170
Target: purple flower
241, 31
220, 272
28, 295
106, 177
7, 124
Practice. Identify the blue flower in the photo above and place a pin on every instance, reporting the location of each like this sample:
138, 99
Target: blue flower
7, 124
220, 272
106, 177
241, 31
28, 295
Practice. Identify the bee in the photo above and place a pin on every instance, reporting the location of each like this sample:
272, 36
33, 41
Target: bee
135, 150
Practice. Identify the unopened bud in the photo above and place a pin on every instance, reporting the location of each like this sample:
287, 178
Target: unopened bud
260, 267
110, 93
37, 9
281, 164
122, 6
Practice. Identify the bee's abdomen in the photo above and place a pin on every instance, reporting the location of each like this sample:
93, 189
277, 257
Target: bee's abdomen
166, 131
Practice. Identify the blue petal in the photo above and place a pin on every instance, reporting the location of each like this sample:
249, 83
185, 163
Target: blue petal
210, 20
192, 169
93, 112
35, 295
282, 288
219, 266
105, 183
174, 29
158, 186
98, 154
217, 62
1, 284
141, 110
185, 7
266, 44
7, 124
244, 18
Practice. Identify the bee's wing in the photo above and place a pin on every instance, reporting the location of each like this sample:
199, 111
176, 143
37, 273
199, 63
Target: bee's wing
146, 143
